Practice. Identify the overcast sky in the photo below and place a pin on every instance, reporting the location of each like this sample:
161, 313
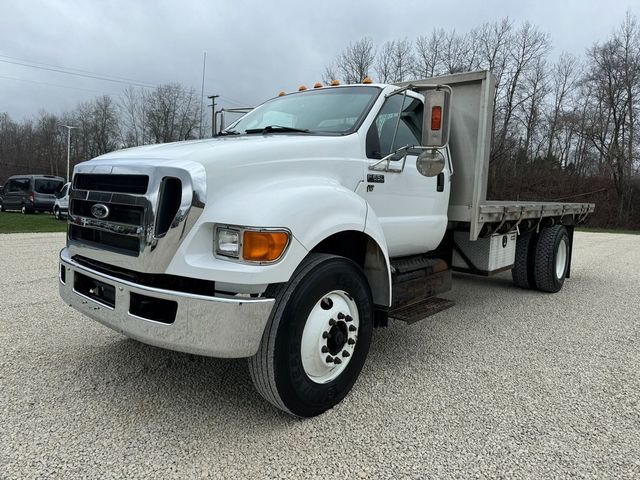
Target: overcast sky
254, 48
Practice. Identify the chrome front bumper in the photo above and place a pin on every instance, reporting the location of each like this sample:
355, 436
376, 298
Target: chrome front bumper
211, 326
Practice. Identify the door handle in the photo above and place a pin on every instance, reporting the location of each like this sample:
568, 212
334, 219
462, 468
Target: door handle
440, 187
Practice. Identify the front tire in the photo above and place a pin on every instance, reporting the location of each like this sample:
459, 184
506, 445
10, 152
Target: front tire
552, 259
317, 337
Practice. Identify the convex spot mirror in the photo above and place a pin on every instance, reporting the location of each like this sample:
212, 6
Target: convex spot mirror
430, 162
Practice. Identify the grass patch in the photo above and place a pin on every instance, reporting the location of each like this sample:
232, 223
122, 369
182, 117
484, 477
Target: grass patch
607, 230
15, 222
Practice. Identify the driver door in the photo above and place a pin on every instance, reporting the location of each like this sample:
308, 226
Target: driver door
411, 208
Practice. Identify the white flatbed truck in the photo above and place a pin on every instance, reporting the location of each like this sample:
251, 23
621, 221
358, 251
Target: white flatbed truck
311, 220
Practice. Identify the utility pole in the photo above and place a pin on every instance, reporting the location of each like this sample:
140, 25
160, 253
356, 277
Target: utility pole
68, 127
213, 113
204, 67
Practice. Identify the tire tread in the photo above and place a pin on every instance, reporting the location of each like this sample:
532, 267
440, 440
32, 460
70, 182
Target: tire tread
261, 364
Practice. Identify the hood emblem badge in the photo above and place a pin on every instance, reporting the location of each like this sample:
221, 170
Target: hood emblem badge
100, 211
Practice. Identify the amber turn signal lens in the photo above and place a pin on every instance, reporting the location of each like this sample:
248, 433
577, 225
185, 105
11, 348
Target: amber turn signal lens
436, 118
263, 246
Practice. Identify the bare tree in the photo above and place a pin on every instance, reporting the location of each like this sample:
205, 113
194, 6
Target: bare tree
428, 54
172, 113
385, 63
403, 60
132, 110
564, 77
356, 61
614, 78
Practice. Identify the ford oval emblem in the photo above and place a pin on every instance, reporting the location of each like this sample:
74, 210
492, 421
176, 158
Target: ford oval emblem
100, 211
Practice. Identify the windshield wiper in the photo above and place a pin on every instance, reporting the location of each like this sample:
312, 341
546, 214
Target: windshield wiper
276, 128
228, 132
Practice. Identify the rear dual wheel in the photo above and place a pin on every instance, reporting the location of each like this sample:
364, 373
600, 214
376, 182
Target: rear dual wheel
542, 261
317, 337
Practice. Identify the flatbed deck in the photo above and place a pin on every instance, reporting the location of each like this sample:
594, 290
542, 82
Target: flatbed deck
498, 211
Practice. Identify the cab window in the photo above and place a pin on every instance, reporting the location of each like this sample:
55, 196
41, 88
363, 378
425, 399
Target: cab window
380, 141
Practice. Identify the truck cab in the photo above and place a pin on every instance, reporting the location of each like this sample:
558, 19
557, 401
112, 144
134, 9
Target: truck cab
302, 226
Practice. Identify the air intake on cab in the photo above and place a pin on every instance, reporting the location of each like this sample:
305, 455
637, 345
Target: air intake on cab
168, 204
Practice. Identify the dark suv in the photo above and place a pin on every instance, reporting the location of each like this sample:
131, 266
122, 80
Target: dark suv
30, 193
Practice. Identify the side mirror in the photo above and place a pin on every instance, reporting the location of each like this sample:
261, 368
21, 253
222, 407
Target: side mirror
430, 162
435, 131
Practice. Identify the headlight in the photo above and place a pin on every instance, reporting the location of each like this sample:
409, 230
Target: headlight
251, 244
228, 242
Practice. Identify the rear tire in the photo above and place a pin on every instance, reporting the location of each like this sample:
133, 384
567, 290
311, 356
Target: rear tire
523, 267
552, 259
307, 384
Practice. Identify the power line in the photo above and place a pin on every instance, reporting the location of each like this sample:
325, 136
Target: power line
86, 75
232, 101
52, 84
75, 69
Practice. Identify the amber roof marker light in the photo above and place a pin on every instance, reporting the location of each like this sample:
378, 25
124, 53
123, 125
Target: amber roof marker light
335, 83
318, 85
302, 88
367, 80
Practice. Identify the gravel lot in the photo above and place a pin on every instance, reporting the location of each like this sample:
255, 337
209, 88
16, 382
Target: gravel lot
507, 383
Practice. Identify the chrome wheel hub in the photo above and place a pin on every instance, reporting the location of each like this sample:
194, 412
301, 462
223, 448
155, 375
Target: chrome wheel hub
330, 336
561, 259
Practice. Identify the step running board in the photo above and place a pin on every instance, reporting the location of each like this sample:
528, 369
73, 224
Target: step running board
420, 310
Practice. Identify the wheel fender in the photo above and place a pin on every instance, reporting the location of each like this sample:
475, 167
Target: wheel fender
377, 264
311, 208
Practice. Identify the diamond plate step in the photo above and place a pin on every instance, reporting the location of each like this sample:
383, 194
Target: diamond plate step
420, 310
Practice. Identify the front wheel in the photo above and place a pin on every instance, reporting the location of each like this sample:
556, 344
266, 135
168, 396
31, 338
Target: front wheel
317, 337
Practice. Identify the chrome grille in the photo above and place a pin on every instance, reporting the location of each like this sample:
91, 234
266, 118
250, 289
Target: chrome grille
101, 182
146, 206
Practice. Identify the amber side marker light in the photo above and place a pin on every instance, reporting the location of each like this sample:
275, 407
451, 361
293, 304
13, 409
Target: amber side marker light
263, 246
436, 118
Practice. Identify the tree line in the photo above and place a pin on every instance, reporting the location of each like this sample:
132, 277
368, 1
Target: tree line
139, 116
565, 127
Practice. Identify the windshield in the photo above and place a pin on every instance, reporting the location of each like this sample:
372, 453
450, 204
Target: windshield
48, 186
324, 111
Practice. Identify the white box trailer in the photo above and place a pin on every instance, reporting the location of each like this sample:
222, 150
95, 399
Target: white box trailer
311, 220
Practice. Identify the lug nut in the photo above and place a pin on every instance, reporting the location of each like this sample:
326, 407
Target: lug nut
325, 335
329, 359
337, 361
348, 318
324, 349
352, 328
332, 322
351, 341
340, 316
346, 354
